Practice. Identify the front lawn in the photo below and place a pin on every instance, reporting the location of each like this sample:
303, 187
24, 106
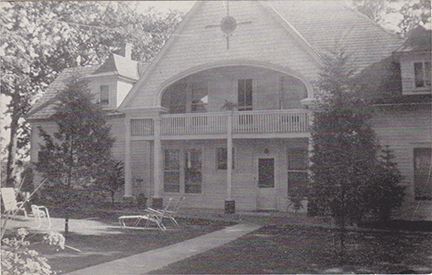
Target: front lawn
96, 249
291, 248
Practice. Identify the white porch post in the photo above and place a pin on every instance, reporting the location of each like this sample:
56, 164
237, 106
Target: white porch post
229, 158
229, 202
157, 157
128, 169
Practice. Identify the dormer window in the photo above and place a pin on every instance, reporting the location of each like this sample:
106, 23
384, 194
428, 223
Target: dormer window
104, 94
422, 74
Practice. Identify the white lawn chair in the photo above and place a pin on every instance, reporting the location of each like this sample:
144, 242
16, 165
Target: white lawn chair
169, 213
156, 217
11, 205
41, 214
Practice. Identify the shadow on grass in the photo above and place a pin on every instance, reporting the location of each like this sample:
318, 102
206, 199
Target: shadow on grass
97, 249
285, 249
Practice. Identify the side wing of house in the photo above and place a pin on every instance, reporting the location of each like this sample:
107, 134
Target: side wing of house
400, 87
110, 82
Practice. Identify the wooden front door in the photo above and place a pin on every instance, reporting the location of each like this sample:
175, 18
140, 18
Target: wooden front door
266, 197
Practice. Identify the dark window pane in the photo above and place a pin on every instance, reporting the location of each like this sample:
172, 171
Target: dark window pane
297, 183
172, 181
419, 76
428, 74
104, 94
222, 158
192, 170
192, 189
245, 94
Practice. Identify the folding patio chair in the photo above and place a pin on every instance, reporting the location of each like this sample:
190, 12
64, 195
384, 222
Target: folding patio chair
41, 214
11, 205
169, 213
155, 217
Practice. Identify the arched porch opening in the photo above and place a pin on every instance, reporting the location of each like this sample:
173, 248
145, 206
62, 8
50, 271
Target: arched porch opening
246, 87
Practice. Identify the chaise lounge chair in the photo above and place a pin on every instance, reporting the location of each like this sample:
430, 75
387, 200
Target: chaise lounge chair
149, 217
11, 205
41, 214
169, 213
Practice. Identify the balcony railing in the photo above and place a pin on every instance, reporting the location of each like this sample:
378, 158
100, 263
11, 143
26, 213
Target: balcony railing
274, 121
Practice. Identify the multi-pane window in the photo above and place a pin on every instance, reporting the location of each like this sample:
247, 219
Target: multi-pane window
193, 170
183, 170
422, 74
297, 155
244, 94
222, 158
172, 170
104, 94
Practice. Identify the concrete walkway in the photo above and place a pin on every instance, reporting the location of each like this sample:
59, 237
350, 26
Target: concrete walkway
156, 259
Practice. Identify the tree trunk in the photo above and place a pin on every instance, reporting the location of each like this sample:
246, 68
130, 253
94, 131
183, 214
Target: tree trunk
67, 224
10, 165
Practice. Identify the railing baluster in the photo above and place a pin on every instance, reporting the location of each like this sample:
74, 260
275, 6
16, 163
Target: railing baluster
275, 121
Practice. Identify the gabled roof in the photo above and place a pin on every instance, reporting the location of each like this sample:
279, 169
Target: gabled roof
325, 24
120, 65
418, 40
116, 64
43, 108
318, 26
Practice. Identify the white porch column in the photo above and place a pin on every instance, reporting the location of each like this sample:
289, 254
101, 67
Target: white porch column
127, 163
157, 157
229, 202
229, 157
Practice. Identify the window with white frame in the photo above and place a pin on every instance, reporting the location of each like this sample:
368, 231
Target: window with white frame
297, 166
183, 170
422, 74
193, 170
104, 92
172, 170
245, 94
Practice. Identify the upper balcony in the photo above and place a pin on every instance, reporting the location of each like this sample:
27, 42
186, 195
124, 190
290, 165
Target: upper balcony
240, 124
267, 104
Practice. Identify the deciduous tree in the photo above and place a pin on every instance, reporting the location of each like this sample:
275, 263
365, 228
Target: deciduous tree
39, 39
400, 15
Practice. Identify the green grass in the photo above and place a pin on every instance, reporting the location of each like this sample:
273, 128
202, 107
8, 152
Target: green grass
300, 249
96, 249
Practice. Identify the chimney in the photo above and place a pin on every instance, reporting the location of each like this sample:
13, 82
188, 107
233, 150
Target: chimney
126, 50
